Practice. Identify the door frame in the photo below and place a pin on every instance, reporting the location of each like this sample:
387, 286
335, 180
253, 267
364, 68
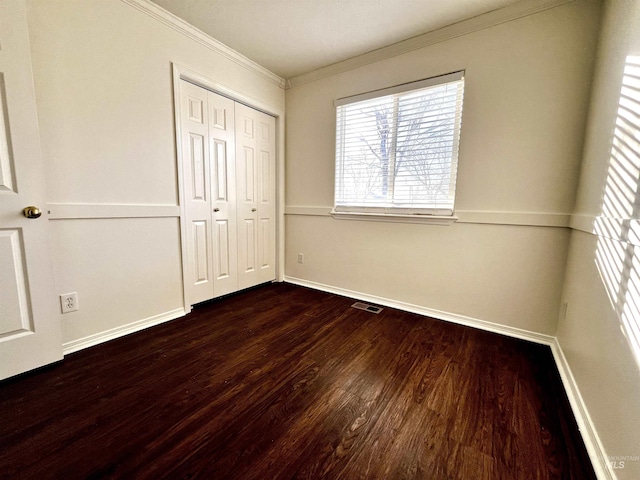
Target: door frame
183, 73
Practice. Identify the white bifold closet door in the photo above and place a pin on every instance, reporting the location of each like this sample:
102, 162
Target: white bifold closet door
228, 162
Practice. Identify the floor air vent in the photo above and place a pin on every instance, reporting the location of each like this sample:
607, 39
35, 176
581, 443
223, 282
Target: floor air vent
367, 307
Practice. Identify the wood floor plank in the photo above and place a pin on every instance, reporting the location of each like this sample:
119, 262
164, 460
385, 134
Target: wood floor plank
284, 382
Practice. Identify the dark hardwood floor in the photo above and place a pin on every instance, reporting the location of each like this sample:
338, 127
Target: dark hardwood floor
284, 382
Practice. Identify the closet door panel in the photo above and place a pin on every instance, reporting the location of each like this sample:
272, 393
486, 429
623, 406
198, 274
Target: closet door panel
247, 207
196, 178
223, 193
266, 178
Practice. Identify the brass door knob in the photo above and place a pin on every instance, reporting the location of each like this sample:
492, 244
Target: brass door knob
32, 212
254, 209
216, 209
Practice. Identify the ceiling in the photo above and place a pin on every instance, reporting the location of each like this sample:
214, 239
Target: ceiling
292, 37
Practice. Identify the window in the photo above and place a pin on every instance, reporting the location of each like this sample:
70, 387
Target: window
397, 148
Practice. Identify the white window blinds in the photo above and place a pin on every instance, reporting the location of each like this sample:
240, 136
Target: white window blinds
397, 149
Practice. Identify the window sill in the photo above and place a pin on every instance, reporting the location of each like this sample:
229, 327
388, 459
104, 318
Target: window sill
394, 218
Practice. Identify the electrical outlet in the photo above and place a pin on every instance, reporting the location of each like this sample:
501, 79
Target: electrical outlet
301, 258
69, 302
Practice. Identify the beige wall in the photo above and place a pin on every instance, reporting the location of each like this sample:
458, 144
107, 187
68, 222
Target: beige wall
602, 284
527, 84
480, 271
103, 80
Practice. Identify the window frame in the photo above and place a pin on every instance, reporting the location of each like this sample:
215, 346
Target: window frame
442, 216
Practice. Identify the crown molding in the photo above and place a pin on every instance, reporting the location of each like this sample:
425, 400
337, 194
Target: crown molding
474, 24
160, 14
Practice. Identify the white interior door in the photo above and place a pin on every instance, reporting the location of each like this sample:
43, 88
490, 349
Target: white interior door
256, 172
194, 119
30, 334
208, 157
223, 193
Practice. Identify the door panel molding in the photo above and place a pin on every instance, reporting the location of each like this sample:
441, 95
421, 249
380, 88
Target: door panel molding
7, 173
16, 316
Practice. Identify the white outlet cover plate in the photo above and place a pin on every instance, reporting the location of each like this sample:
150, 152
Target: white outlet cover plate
69, 302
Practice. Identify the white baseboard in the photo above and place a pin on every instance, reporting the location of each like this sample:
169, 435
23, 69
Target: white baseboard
117, 332
429, 312
590, 437
595, 449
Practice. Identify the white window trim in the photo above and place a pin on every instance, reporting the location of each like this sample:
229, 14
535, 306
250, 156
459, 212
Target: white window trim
380, 215
395, 218
405, 87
